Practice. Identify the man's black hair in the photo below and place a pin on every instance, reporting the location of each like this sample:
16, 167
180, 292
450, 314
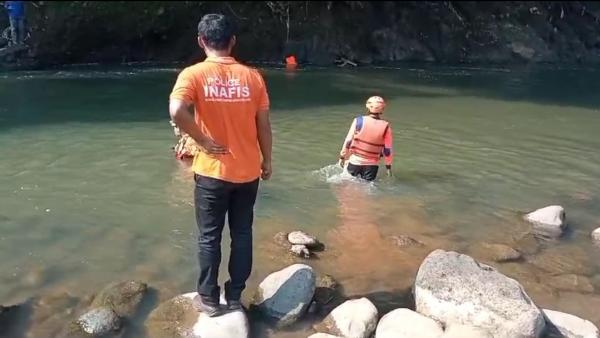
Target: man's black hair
216, 30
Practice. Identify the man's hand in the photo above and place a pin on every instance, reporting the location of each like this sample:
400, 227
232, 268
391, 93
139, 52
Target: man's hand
266, 170
211, 147
389, 172
342, 162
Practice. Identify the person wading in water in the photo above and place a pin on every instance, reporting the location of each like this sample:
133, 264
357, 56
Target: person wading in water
368, 140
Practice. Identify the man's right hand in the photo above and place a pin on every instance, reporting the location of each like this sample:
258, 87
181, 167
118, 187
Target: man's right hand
211, 147
342, 162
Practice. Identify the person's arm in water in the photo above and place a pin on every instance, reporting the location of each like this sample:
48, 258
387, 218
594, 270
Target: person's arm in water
180, 110
388, 152
345, 153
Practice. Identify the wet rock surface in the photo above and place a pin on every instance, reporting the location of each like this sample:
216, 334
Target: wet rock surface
99, 322
123, 297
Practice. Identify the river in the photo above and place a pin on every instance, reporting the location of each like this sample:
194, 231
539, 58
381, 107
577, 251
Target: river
91, 192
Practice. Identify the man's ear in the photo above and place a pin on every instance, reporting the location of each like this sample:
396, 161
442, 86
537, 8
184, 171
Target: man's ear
232, 42
201, 42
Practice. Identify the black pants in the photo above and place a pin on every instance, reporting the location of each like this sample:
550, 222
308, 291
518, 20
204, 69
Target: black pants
213, 200
366, 172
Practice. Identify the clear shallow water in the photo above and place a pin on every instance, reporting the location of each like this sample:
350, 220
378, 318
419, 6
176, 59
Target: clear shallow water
91, 193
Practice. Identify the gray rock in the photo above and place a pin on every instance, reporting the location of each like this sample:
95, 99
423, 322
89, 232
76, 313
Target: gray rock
123, 297
403, 241
405, 323
596, 236
548, 221
496, 252
99, 322
463, 331
300, 251
177, 318
302, 238
284, 296
455, 289
568, 326
355, 318
571, 282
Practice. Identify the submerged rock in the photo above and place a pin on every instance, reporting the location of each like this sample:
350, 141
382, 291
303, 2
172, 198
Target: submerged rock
405, 323
496, 252
284, 296
300, 251
177, 318
527, 244
302, 238
355, 318
123, 297
568, 326
548, 221
99, 322
403, 241
51, 312
455, 289
596, 236
327, 295
280, 239
571, 282
560, 261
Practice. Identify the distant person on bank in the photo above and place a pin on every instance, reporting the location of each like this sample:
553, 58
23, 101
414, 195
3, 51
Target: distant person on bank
368, 140
230, 123
16, 16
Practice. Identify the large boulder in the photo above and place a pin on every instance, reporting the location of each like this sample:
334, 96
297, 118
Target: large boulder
355, 318
284, 296
405, 323
548, 221
464, 331
455, 289
568, 326
123, 297
177, 318
99, 322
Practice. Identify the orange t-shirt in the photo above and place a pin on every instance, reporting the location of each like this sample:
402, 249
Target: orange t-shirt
226, 96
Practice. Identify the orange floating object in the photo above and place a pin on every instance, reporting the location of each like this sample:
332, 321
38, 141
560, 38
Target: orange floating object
291, 60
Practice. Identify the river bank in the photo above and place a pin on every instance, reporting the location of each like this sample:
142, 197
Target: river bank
317, 33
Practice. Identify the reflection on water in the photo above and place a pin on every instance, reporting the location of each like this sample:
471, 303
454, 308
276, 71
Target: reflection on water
92, 193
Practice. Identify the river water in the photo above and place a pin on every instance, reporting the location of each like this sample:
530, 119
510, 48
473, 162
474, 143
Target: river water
91, 192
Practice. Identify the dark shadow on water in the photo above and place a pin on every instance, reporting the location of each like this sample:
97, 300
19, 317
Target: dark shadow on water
143, 96
135, 328
14, 320
386, 301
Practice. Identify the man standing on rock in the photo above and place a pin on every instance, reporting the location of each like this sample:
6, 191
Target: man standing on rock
230, 123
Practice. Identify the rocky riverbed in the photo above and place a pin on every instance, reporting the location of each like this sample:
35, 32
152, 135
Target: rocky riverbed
451, 295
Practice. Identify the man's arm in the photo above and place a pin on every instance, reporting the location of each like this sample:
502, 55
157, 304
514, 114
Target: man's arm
347, 143
265, 140
181, 114
388, 151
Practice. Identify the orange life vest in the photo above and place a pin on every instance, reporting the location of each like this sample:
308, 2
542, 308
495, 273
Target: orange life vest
368, 141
